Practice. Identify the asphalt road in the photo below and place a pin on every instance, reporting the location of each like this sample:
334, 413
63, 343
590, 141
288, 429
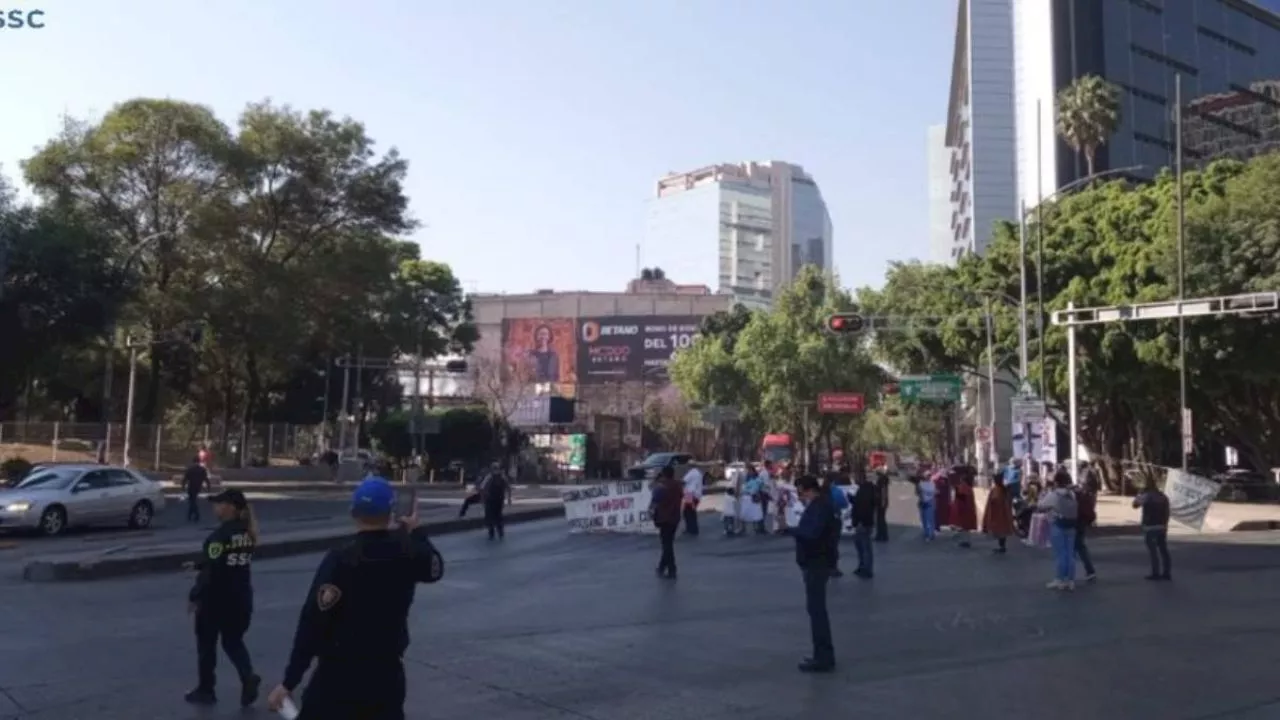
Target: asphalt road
546, 626
275, 511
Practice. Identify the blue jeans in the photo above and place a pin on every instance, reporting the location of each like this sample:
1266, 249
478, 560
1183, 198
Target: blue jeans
862, 543
1063, 541
927, 517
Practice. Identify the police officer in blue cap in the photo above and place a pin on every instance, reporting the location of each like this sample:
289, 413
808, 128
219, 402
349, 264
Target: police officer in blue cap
354, 621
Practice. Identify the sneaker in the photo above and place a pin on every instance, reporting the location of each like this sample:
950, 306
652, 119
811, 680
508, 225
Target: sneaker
200, 696
1091, 578
250, 690
1054, 585
1152, 577
1068, 585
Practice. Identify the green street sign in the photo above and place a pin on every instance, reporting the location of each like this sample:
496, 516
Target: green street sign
930, 388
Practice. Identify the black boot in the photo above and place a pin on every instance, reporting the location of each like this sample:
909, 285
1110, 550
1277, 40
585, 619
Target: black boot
250, 690
201, 696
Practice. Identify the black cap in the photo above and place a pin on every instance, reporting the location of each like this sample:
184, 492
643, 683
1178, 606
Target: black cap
232, 497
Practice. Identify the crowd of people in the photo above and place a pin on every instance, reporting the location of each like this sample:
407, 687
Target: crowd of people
1043, 509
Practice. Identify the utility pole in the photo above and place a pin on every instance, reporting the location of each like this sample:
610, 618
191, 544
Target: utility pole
1039, 253
324, 414
417, 393
128, 411
991, 379
1188, 443
345, 363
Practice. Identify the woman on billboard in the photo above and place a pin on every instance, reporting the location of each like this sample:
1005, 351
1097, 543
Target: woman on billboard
546, 362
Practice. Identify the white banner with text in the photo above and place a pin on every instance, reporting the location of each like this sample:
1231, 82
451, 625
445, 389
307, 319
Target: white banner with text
1189, 497
620, 506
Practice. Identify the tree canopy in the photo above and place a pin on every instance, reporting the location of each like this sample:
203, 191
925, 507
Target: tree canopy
772, 365
282, 237
1116, 244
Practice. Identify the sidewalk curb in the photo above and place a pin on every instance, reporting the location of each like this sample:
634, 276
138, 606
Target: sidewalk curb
104, 566
1255, 526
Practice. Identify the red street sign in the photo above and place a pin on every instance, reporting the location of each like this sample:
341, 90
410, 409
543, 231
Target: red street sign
836, 403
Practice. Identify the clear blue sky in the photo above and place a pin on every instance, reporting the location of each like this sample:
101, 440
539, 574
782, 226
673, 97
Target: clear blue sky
535, 129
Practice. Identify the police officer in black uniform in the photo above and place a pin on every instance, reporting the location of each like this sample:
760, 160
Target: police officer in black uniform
354, 621
222, 598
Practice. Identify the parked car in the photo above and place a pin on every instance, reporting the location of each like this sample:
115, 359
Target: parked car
57, 497
1240, 485
649, 468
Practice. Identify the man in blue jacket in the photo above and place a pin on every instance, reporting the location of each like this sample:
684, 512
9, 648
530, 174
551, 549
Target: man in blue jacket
817, 536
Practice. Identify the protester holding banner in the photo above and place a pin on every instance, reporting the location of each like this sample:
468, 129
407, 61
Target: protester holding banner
664, 508
1155, 529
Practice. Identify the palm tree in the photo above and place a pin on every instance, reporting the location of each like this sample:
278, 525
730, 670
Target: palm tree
1088, 112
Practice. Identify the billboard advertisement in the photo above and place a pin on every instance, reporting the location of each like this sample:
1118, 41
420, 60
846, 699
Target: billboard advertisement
627, 348
544, 349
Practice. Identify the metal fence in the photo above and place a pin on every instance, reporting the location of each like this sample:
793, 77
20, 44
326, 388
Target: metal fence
156, 447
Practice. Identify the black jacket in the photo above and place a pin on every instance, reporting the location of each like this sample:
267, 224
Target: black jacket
818, 533
865, 503
195, 479
356, 612
882, 489
225, 579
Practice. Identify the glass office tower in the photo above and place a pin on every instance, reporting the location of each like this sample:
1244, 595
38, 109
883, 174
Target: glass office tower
1227, 52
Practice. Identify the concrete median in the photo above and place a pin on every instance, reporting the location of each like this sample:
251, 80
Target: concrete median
123, 561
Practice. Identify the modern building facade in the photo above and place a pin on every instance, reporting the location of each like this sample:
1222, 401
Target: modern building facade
980, 124
939, 158
754, 224
1227, 52
608, 351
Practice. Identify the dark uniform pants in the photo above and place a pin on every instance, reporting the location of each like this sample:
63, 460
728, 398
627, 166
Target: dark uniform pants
193, 505
882, 523
691, 518
351, 692
815, 601
229, 625
493, 519
667, 536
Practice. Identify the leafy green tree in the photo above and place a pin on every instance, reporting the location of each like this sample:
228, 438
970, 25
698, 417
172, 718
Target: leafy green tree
780, 361
284, 238
1115, 244
1088, 113
57, 293
146, 174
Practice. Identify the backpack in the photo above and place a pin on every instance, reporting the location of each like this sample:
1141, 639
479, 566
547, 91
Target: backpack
1069, 507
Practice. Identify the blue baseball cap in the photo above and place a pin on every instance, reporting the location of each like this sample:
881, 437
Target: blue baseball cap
373, 497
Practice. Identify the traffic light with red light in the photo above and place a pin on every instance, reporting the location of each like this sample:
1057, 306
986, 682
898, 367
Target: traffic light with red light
841, 323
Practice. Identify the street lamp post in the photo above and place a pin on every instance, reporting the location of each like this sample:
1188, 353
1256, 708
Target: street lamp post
1039, 259
128, 410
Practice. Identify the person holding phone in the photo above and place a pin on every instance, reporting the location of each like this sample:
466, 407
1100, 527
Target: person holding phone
354, 622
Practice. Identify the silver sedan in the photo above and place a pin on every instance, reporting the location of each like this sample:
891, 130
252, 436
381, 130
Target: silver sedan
54, 498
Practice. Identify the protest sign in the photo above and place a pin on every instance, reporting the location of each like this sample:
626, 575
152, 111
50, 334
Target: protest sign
621, 506
1189, 497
